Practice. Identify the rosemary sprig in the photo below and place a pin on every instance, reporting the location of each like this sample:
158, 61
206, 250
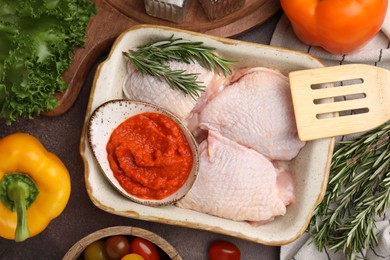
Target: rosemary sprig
358, 192
152, 59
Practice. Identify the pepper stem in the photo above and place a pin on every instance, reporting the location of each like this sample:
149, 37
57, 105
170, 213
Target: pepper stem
17, 192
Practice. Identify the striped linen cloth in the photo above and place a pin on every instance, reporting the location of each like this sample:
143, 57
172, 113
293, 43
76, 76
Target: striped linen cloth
377, 53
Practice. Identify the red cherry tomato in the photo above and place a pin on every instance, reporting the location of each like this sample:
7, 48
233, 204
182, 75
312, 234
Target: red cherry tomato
224, 250
144, 248
116, 247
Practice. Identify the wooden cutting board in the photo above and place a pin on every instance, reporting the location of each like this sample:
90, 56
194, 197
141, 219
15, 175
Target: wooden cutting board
115, 16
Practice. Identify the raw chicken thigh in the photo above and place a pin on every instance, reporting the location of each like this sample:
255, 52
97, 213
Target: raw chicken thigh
245, 128
256, 111
149, 89
284, 183
235, 182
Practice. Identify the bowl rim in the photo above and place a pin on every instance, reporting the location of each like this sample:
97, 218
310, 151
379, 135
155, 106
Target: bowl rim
78, 248
171, 199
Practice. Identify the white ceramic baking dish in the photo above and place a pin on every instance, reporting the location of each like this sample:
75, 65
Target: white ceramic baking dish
311, 166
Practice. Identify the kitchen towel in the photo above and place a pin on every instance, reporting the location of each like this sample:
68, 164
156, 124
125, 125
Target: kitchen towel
377, 53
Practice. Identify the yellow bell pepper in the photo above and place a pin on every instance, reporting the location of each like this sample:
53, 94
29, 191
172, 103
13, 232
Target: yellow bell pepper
34, 186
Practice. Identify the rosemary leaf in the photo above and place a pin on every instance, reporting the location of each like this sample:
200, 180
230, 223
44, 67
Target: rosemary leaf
358, 192
152, 59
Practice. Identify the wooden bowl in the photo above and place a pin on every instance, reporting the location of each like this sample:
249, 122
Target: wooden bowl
76, 251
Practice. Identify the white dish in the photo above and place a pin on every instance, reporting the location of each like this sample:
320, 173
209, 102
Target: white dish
311, 166
107, 117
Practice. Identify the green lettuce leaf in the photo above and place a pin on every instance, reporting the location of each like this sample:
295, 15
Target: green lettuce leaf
37, 40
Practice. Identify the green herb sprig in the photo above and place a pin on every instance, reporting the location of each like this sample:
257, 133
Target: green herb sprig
152, 59
358, 192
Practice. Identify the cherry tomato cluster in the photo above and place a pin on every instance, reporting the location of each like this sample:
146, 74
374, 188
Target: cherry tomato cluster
120, 247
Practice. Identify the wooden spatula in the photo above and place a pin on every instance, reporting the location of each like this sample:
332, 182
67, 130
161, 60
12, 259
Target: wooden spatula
340, 100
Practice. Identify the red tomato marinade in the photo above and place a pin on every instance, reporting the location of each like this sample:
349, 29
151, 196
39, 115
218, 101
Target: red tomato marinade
149, 155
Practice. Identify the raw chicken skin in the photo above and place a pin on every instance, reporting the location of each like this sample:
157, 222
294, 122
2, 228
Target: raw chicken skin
284, 183
149, 89
256, 111
234, 182
284, 186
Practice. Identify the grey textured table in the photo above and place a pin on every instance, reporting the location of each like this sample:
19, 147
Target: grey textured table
61, 135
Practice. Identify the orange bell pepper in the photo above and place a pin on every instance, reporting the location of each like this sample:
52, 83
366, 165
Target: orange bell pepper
34, 186
338, 26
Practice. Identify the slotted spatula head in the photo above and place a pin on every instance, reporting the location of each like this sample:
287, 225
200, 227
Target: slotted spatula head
339, 100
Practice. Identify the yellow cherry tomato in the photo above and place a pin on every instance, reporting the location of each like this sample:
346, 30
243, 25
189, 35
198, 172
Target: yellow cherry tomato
132, 257
95, 251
